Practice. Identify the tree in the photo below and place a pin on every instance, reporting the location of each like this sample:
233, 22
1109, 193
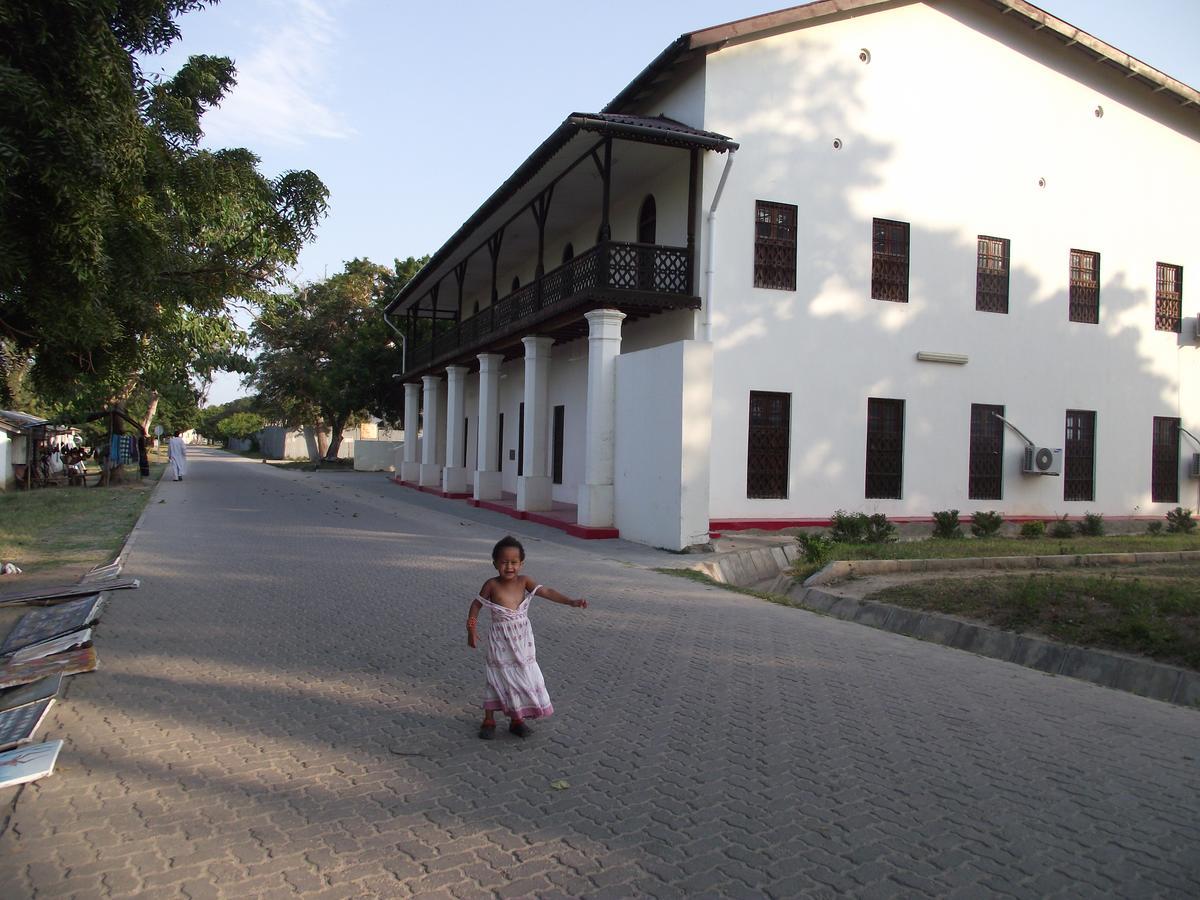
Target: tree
241, 425
326, 356
122, 243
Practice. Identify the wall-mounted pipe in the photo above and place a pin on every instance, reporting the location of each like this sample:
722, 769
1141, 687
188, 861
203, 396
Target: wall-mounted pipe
710, 248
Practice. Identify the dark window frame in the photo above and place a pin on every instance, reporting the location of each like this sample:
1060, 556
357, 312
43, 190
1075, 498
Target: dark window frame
1079, 456
1164, 460
559, 439
1084, 294
890, 259
985, 465
775, 245
768, 445
647, 229
521, 440
466, 438
992, 274
1168, 298
500, 444
884, 467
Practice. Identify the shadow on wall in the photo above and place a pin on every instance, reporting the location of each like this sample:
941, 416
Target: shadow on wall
809, 148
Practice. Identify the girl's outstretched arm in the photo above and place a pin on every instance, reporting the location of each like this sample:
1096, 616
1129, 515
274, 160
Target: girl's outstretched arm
472, 613
554, 596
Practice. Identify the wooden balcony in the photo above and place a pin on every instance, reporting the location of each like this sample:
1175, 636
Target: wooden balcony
638, 279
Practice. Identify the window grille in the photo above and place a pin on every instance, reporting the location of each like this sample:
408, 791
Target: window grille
1164, 461
1079, 456
768, 445
885, 448
985, 470
774, 245
1085, 287
889, 261
1168, 298
991, 275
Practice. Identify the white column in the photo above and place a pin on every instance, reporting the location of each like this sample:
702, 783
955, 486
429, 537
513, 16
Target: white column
604, 346
410, 468
454, 476
487, 476
431, 467
534, 487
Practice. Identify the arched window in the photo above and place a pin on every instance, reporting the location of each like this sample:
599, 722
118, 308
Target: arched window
647, 220
568, 252
516, 282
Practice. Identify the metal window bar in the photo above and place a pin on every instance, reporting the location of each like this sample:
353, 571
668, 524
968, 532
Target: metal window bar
768, 445
985, 469
1085, 287
991, 275
774, 245
1168, 298
1164, 460
1079, 456
885, 448
889, 260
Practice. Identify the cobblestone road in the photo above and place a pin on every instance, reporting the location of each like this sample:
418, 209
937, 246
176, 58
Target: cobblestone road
287, 706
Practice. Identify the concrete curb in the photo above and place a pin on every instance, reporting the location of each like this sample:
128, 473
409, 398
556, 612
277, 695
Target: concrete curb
743, 568
1124, 673
848, 568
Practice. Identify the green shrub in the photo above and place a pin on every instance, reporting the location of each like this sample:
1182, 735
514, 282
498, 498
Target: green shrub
1179, 521
859, 528
848, 528
1091, 525
1062, 529
1034, 529
945, 524
1154, 528
817, 548
880, 530
985, 524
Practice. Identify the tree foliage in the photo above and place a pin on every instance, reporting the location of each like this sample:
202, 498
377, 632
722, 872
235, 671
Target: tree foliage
241, 425
326, 356
122, 242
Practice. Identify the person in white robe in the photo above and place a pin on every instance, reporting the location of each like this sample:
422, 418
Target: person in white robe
177, 457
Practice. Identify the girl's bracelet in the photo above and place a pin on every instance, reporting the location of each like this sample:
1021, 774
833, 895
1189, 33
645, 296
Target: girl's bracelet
470, 623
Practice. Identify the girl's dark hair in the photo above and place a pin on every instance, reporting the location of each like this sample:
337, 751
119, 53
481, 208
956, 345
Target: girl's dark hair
504, 543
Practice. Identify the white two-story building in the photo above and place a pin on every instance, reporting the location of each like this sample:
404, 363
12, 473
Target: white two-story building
892, 257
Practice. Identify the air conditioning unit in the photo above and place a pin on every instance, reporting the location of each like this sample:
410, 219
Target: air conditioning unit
1042, 461
1195, 470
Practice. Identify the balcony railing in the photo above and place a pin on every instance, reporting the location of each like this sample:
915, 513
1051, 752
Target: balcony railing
614, 271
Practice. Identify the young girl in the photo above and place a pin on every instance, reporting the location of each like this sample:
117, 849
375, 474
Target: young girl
514, 681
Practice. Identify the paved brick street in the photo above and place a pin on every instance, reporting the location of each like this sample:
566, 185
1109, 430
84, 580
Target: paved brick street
288, 705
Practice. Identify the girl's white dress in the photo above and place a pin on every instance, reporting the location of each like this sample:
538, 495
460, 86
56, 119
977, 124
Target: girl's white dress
514, 681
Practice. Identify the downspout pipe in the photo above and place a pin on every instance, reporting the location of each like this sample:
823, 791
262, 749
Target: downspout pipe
403, 342
710, 248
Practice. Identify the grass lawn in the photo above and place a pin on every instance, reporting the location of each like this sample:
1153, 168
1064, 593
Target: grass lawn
1151, 610
67, 530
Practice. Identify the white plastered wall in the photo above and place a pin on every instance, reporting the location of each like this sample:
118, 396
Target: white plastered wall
7, 479
663, 427
949, 128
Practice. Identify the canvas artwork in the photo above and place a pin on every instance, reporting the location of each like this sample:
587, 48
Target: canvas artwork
69, 663
18, 725
59, 593
52, 621
28, 763
54, 645
41, 689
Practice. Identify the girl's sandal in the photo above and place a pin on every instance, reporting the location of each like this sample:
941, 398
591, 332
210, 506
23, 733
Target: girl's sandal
487, 730
520, 729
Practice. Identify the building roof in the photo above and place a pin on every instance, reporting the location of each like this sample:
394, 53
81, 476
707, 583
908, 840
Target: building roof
708, 40
20, 421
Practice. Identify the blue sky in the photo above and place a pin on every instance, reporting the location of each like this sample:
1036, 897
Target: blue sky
412, 112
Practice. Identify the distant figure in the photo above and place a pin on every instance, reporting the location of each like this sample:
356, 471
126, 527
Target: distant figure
177, 457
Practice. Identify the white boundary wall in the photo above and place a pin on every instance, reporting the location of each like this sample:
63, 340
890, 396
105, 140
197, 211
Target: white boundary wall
949, 127
663, 430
